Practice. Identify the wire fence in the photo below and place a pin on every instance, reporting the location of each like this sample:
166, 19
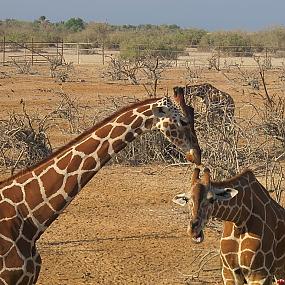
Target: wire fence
219, 57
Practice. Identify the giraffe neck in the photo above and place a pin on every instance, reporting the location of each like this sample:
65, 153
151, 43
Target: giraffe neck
51, 185
250, 200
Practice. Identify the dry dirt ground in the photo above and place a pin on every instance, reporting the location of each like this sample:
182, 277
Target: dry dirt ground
122, 228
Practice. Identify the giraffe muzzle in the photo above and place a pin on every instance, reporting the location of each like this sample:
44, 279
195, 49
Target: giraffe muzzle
197, 237
194, 156
196, 234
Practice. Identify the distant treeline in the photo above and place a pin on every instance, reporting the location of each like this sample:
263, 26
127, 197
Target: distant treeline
158, 37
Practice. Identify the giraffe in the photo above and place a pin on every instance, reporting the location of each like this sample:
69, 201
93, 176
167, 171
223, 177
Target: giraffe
252, 247
218, 104
32, 199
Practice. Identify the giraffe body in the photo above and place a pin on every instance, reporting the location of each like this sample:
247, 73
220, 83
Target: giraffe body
252, 246
218, 104
32, 199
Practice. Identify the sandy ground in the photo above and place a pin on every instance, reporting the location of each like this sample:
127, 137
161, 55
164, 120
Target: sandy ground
122, 228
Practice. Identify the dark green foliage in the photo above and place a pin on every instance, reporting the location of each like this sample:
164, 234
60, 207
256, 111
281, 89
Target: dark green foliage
75, 24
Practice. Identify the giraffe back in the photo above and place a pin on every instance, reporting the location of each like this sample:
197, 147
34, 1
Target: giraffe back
217, 103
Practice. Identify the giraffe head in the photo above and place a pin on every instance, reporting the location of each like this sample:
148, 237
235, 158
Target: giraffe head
175, 120
201, 198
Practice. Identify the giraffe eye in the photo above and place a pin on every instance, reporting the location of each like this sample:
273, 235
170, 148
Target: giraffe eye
183, 123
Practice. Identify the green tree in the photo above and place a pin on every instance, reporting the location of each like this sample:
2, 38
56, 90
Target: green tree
75, 24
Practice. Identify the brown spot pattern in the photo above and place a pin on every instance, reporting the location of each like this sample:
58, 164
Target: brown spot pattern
53, 182
250, 243
26, 247
129, 137
7, 229
74, 164
14, 194
101, 133
103, 150
43, 213
57, 202
148, 123
4, 246
88, 147
89, 163
126, 118
148, 113
13, 259
7, 210
29, 229
137, 123
118, 145
63, 162
33, 193
117, 131
143, 108
71, 186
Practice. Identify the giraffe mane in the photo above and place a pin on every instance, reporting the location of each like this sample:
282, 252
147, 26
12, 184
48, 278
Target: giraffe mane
202, 84
245, 172
79, 137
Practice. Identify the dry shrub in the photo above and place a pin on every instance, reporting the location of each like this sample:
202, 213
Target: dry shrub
60, 70
23, 67
23, 140
123, 69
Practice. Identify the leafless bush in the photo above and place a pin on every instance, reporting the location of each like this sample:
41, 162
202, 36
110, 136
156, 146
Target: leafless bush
193, 73
228, 146
264, 61
273, 119
149, 148
4, 74
23, 67
69, 110
247, 77
60, 70
123, 69
214, 62
153, 67
145, 70
271, 112
23, 140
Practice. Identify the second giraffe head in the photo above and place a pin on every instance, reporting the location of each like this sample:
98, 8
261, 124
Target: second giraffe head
176, 121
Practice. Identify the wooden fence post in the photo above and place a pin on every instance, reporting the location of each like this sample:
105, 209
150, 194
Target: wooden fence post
103, 52
32, 50
62, 51
4, 46
77, 52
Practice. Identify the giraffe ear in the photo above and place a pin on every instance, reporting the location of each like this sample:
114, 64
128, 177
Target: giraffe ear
181, 199
222, 194
160, 111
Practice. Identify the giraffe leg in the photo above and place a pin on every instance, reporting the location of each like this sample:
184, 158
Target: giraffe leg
260, 279
231, 277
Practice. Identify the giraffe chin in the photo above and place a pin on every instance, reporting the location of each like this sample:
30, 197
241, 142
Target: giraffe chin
198, 238
193, 157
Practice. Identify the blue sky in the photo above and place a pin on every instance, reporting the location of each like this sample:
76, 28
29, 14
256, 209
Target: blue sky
250, 15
